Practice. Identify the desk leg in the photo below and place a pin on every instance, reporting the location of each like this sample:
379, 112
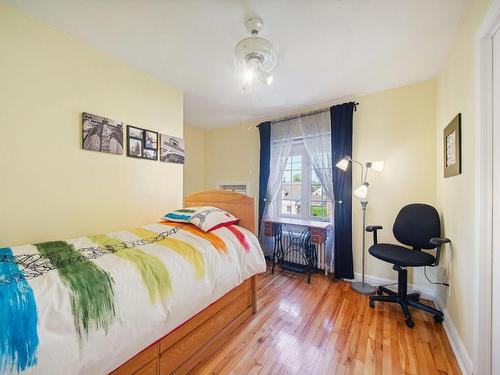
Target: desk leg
275, 245
306, 248
278, 245
310, 261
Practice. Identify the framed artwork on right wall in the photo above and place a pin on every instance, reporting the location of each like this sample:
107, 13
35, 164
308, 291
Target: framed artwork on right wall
452, 139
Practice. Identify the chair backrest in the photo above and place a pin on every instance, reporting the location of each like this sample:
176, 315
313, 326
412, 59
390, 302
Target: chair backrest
416, 224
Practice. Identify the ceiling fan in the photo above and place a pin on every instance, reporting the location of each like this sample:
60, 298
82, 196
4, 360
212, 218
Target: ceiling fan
255, 56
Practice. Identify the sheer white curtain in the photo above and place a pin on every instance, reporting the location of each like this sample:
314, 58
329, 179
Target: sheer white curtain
316, 132
282, 135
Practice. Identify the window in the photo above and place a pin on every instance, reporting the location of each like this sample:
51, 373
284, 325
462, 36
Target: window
291, 186
319, 204
301, 193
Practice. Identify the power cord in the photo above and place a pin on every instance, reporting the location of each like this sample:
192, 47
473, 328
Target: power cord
432, 282
386, 285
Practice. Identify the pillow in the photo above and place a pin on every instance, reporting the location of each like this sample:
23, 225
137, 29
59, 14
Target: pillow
206, 218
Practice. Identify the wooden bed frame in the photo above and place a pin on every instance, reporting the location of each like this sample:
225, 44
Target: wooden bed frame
185, 348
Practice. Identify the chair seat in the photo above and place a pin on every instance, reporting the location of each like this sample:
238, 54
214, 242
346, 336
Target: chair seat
401, 256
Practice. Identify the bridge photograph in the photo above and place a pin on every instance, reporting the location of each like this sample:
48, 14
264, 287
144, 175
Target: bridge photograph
102, 134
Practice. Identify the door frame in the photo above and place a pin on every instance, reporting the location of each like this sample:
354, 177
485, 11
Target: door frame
483, 231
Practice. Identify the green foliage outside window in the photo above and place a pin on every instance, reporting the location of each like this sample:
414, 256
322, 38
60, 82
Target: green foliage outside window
319, 211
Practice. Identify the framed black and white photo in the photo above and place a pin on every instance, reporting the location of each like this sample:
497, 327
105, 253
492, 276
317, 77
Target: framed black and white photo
134, 148
171, 149
150, 154
150, 140
135, 132
452, 139
101, 134
142, 143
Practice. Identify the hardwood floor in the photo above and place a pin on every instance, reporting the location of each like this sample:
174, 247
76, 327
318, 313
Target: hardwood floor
326, 328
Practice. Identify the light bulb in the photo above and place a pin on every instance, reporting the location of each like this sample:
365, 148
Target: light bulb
266, 77
343, 164
248, 75
362, 190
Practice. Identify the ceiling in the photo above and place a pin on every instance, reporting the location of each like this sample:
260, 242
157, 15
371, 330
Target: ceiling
327, 49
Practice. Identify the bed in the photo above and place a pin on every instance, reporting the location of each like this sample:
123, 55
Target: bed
153, 300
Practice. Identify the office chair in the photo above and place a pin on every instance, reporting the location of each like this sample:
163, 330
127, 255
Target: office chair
418, 226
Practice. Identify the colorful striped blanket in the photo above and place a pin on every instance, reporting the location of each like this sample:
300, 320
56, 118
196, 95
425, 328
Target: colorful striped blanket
87, 305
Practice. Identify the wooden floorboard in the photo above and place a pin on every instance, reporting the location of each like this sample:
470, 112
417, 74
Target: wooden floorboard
326, 328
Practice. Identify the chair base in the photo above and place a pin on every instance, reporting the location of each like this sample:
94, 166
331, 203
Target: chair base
403, 299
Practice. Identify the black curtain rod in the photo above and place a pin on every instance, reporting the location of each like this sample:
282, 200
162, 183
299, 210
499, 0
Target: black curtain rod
305, 114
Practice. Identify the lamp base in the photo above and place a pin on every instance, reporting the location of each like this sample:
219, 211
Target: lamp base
362, 288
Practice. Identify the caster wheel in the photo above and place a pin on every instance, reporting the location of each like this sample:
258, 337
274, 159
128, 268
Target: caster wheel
438, 318
379, 292
410, 323
371, 303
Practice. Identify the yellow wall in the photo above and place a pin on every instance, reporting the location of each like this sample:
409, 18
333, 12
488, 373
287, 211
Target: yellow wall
455, 92
232, 156
50, 187
397, 126
194, 167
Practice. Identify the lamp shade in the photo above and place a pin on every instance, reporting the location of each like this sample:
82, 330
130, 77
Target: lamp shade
343, 164
377, 165
362, 190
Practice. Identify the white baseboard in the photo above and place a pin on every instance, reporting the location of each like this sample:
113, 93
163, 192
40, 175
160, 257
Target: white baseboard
426, 293
463, 358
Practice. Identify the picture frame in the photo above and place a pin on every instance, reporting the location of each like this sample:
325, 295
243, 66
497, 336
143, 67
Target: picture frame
134, 148
452, 147
102, 134
171, 149
136, 143
134, 132
150, 140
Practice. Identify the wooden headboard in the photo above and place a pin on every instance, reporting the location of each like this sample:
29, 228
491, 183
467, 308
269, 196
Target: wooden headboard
238, 204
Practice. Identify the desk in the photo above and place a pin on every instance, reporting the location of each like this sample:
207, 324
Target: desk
301, 242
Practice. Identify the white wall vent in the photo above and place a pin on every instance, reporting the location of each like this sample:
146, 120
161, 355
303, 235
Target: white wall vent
236, 187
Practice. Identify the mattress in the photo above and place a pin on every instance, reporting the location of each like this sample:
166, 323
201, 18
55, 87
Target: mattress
87, 305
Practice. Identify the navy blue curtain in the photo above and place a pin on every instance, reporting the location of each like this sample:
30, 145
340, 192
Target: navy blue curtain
341, 121
265, 160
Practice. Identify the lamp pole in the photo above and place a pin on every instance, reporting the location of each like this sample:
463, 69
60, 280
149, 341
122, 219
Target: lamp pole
363, 287
362, 192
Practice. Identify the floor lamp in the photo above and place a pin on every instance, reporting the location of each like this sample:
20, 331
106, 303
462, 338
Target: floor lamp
362, 192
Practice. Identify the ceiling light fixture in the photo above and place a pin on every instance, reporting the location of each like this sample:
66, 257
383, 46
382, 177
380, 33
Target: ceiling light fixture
255, 56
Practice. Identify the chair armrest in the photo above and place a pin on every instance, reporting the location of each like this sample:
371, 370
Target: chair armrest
438, 242
374, 229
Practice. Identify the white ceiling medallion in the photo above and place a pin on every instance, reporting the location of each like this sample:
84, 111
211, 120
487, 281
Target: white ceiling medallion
255, 56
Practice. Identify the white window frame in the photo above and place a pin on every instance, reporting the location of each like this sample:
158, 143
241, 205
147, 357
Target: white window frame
299, 148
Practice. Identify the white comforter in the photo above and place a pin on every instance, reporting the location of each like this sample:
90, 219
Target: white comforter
87, 305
